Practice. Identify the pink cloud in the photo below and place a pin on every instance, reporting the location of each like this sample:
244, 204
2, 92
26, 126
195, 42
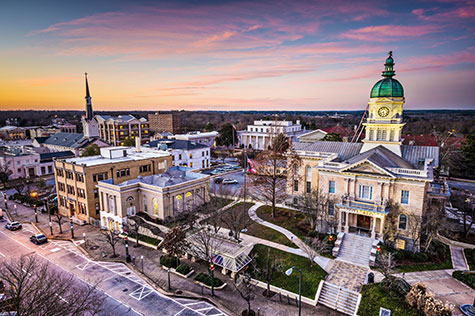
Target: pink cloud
467, 11
386, 33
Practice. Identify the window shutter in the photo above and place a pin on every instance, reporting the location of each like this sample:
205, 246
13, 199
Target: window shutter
370, 193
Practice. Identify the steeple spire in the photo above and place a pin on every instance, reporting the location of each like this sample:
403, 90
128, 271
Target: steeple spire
89, 113
388, 66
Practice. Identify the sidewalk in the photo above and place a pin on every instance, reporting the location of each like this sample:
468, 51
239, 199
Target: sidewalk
458, 258
321, 261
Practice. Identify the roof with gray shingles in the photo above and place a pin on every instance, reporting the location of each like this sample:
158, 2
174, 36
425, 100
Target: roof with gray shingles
382, 157
57, 154
343, 149
71, 140
417, 154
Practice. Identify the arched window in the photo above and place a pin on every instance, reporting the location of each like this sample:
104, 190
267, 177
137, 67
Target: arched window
402, 221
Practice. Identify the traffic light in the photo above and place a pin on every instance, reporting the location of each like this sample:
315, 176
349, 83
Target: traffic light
212, 267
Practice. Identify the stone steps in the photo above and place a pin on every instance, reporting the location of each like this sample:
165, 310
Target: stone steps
355, 249
339, 299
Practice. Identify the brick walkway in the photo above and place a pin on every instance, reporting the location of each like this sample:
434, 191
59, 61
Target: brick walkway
346, 275
458, 258
444, 286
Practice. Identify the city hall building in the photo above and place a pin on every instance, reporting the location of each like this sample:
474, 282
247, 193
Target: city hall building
360, 178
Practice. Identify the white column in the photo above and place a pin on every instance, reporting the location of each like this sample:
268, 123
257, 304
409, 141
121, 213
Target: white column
373, 227
346, 221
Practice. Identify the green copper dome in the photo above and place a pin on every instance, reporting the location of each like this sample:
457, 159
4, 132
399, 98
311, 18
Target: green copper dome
387, 87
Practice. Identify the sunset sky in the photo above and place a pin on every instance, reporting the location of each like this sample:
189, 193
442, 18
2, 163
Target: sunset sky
234, 55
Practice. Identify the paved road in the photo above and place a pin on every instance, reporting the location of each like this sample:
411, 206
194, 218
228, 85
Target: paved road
125, 293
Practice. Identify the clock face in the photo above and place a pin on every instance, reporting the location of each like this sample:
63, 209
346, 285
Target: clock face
383, 111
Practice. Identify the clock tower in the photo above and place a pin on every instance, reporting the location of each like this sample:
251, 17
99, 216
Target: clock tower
384, 124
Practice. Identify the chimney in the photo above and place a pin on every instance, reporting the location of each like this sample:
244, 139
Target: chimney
137, 144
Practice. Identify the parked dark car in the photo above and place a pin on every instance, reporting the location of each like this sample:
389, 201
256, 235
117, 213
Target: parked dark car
38, 239
13, 226
218, 180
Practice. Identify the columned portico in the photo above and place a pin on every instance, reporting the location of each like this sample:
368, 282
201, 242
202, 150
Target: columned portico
357, 219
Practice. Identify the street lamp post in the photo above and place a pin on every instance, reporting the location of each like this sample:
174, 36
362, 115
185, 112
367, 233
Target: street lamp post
5, 200
49, 217
141, 259
85, 241
34, 195
127, 256
288, 273
169, 287
36, 214
212, 277
72, 228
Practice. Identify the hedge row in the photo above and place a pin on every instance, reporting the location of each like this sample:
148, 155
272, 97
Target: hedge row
26, 199
183, 269
467, 278
206, 279
169, 262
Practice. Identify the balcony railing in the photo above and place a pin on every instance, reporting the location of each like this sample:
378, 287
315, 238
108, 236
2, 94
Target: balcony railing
439, 188
363, 206
410, 172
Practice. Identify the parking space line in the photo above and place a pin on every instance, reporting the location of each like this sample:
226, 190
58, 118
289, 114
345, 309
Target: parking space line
1, 254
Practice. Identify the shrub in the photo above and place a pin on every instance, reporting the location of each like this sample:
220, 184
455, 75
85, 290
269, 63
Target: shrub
467, 278
169, 262
423, 300
206, 279
183, 269
396, 285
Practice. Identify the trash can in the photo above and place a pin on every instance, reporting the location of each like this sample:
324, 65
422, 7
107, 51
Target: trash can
370, 277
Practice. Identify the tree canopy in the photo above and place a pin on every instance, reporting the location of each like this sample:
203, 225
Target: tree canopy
226, 135
91, 150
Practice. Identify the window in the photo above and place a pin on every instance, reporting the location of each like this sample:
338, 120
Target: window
381, 135
79, 177
96, 193
146, 168
402, 222
191, 164
123, 172
202, 154
404, 197
100, 176
331, 209
191, 155
309, 186
331, 186
366, 192
296, 185
179, 157
81, 193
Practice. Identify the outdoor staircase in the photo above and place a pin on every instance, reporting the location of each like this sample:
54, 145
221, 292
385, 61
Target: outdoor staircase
356, 249
337, 298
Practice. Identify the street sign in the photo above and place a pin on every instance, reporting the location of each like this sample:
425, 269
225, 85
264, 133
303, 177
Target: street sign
384, 312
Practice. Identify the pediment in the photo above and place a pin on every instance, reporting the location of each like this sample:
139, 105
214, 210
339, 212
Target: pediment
368, 168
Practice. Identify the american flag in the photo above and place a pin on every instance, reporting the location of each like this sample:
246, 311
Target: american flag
250, 166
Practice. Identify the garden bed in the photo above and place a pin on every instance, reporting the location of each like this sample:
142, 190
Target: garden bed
465, 277
206, 280
374, 296
143, 240
183, 270
437, 258
470, 256
311, 275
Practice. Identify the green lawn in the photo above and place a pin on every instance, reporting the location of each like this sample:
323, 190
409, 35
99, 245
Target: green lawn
291, 220
374, 296
470, 255
311, 275
261, 231
437, 258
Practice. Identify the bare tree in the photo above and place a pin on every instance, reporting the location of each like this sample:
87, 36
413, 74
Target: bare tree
414, 228
269, 183
205, 243
175, 243
133, 225
33, 287
112, 238
385, 262
391, 222
315, 204
246, 291
313, 247
273, 265
465, 205
5, 173
433, 221
58, 218
236, 219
